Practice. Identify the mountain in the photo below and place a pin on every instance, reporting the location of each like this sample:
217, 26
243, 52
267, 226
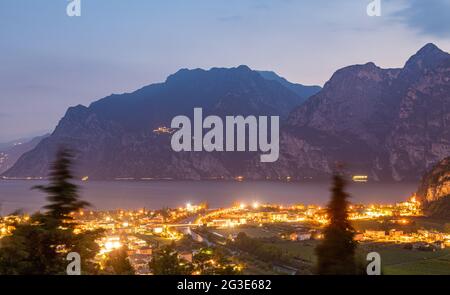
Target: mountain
11, 153
114, 136
4, 146
421, 134
436, 183
385, 123
389, 124
434, 190
303, 91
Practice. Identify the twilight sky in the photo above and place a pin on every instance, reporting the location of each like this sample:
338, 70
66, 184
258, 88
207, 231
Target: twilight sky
49, 61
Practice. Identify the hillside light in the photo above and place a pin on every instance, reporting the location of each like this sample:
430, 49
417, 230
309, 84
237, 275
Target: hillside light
189, 206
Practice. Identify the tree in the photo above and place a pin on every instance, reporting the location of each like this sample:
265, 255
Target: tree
31, 251
62, 195
165, 214
203, 261
119, 263
212, 261
166, 262
336, 253
41, 245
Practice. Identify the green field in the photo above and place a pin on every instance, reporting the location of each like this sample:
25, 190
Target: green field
303, 250
416, 224
398, 261
395, 259
253, 232
434, 266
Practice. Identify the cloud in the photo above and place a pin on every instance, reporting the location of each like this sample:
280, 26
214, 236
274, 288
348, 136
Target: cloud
431, 17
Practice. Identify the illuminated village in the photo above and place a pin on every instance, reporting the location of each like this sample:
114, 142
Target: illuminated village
142, 231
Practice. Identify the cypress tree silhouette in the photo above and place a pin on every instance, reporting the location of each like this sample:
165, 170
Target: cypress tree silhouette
62, 195
336, 253
40, 246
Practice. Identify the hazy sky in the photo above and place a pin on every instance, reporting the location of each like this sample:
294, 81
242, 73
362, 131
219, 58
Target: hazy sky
49, 61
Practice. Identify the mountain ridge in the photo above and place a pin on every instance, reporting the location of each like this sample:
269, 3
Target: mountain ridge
10, 154
304, 91
385, 123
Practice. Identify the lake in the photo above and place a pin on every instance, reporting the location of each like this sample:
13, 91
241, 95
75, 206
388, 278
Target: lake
105, 195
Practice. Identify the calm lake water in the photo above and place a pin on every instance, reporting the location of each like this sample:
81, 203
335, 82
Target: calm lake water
104, 195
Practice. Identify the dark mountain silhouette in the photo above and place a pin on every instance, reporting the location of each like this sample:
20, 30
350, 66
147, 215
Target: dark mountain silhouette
114, 136
235, 91
303, 91
386, 123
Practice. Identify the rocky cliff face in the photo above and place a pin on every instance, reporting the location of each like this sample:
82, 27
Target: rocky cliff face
435, 184
386, 123
420, 136
434, 191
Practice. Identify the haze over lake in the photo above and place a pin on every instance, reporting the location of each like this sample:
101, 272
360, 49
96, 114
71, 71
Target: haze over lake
103, 195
